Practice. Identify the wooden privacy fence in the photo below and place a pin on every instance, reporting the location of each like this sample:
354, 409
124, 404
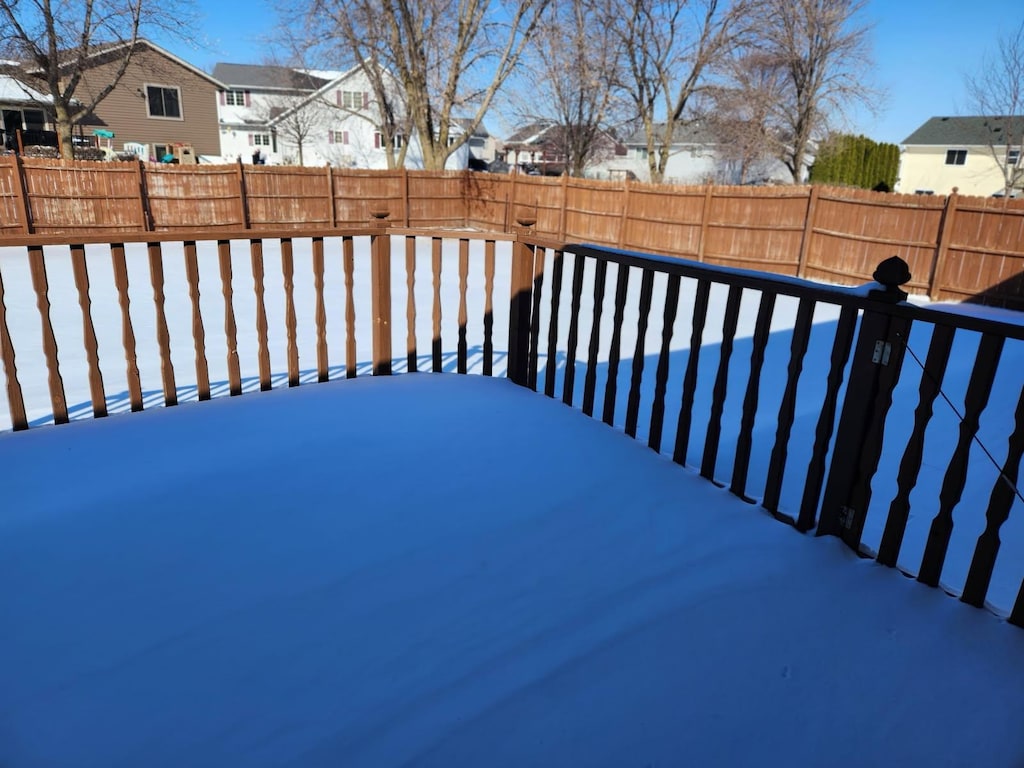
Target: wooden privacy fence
958, 248
577, 329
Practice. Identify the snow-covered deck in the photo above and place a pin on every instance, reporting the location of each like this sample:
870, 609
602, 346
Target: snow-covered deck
453, 571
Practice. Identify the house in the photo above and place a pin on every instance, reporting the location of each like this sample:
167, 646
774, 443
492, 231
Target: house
968, 153
161, 105
24, 109
339, 124
252, 96
541, 148
698, 155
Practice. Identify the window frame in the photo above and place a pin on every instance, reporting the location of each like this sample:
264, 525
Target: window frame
1013, 156
149, 113
234, 98
956, 157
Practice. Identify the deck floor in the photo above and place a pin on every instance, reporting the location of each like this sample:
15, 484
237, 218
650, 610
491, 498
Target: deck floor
451, 571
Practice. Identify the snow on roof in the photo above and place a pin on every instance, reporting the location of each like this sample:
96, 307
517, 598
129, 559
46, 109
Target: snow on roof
13, 90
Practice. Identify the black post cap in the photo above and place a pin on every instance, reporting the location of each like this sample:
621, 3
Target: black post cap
891, 274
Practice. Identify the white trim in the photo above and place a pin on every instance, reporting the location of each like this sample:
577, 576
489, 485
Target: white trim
164, 86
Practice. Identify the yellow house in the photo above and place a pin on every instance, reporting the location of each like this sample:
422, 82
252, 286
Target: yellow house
969, 153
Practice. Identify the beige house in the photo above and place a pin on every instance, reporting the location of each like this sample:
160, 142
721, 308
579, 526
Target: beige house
160, 105
969, 153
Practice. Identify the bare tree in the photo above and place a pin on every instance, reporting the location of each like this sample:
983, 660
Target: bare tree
575, 68
740, 115
670, 46
823, 53
448, 57
57, 43
997, 93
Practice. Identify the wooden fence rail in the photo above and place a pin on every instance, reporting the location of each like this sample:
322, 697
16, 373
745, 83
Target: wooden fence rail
957, 248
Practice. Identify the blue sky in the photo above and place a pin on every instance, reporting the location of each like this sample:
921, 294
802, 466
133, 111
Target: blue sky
921, 49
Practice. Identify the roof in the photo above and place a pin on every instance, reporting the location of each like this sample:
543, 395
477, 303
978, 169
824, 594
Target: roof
684, 133
105, 48
266, 76
529, 134
13, 91
965, 131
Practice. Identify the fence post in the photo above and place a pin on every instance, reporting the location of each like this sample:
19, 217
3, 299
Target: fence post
380, 292
565, 206
145, 214
333, 217
243, 209
942, 245
705, 212
405, 196
805, 241
877, 359
21, 196
624, 219
521, 300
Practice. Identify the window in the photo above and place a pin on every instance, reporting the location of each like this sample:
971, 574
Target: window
235, 98
163, 101
398, 141
956, 156
261, 139
337, 137
1012, 157
353, 99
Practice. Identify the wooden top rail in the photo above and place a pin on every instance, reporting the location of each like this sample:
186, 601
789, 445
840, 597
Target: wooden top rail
800, 288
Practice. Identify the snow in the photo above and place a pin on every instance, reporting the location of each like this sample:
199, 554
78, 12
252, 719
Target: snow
446, 570
996, 423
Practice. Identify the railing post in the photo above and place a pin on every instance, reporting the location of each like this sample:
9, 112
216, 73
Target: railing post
521, 300
380, 290
874, 372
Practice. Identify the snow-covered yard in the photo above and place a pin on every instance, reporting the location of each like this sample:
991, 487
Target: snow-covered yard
446, 570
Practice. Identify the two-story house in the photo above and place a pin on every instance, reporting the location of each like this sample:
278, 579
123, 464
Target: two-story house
968, 153
254, 94
160, 105
24, 111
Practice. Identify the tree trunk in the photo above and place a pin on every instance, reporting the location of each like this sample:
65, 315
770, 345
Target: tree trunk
62, 120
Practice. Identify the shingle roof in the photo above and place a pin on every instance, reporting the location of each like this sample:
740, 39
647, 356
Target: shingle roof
965, 131
688, 133
263, 76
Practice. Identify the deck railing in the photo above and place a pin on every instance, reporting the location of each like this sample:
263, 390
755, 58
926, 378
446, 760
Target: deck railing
814, 445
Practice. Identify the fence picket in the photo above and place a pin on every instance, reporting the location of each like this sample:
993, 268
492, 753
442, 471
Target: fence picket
685, 419
489, 248
574, 329
551, 362
633, 402
745, 441
163, 336
15, 400
614, 352
127, 332
787, 408
259, 289
910, 464
96, 392
978, 390
590, 380
661, 376
714, 431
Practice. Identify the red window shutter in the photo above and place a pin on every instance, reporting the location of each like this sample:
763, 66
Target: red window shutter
223, 99
376, 141
366, 99
250, 139
247, 102
344, 137
330, 137
337, 95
